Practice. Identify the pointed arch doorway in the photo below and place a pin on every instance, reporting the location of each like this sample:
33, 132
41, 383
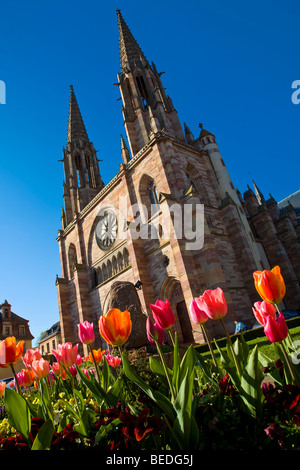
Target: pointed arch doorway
172, 290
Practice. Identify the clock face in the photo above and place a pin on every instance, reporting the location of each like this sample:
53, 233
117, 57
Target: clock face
106, 231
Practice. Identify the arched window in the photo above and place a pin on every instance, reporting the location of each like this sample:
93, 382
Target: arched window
114, 265
72, 258
109, 269
143, 91
120, 261
126, 257
77, 164
100, 277
104, 272
149, 197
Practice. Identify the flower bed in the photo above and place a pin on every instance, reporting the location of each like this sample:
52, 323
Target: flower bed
131, 400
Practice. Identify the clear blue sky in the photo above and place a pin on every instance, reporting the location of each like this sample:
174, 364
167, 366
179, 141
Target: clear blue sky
227, 64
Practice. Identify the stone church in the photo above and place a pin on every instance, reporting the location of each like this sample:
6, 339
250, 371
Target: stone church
162, 166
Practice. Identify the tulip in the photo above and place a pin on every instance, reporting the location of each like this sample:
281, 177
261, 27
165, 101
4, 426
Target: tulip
73, 371
275, 330
213, 303
155, 333
86, 332
12, 351
58, 370
41, 368
30, 356
66, 354
115, 327
162, 314
96, 354
113, 361
25, 377
262, 309
197, 315
270, 285
2, 389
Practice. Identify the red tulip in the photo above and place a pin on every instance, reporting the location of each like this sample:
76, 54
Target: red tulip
197, 315
262, 309
86, 332
66, 354
25, 377
275, 330
213, 303
154, 332
162, 314
270, 285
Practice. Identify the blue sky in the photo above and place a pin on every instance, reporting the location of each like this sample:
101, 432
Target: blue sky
229, 65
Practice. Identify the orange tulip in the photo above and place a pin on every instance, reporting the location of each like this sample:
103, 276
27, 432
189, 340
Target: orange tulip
115, 327
270, 285
98, 355
12, 351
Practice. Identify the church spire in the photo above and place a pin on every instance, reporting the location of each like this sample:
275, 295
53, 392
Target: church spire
146, 107
130, 51
76, 127
259, 195
81, 168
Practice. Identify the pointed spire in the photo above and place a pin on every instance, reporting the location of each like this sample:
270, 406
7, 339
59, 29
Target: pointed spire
188, 134
130, 51
259, 195
124, 151
76, 127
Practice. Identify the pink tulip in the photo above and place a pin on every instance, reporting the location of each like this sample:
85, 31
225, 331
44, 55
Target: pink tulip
154, 332
213, 303
197, 315
162, 314
112, 361
30, 356
2, 389
86, 332
262, 309
73, 371
41, 368
275, 330
66, 354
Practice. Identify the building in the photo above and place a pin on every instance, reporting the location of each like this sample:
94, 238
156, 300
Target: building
50, 340
118, 231
12, 324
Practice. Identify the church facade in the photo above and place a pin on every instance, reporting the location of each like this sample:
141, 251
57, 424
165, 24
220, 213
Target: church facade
135, 227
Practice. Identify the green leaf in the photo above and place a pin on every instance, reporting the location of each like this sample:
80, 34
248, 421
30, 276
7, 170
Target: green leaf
18, 413
176, 364
162, 401
250, 387
158, 369
43, 438
185, 427
97, 390
104, 430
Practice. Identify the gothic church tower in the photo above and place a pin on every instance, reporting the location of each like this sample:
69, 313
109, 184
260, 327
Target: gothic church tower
165, 166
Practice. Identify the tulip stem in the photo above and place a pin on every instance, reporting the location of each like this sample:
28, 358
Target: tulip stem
238, 367
166, 370
287, 360
210, 346
16, 379
172, 338
94, 361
